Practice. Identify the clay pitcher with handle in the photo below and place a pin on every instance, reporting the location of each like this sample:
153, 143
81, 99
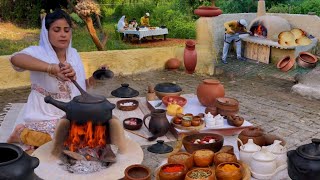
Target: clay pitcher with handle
158, 124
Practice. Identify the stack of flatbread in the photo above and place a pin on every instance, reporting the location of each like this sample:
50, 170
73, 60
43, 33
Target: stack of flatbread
295, 37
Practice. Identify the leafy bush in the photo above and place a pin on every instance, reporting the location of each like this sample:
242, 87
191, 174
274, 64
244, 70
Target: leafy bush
311, 6
24, 12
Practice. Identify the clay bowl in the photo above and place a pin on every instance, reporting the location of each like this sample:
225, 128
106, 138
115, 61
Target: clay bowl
129, 123
127, 104
211, 174
137, 171
191, 147
181, 101
181, 158
286, 63
160, 95
203, 157
224, 173
223, 157
234, 120
306, 60
177, 175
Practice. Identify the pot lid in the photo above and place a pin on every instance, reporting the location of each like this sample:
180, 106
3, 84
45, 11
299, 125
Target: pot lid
102, 73
252, 132
167, 87
227, 101
125, 91
160, 148
310, 151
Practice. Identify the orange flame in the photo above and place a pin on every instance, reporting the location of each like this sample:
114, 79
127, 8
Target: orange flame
81, 136
259, 31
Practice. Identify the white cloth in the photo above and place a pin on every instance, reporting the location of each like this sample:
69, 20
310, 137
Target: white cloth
145, 32
121, 24
42, 84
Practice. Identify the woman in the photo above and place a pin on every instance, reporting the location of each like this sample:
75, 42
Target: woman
122, 24
47, 78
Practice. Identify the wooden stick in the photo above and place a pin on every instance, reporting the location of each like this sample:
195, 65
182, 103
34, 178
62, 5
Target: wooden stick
136, 134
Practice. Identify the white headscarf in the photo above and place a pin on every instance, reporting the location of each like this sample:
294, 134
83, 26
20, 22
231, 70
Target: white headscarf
46, 53
121, 23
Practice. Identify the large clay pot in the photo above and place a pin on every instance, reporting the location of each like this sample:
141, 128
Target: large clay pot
173, 64
15, 163
208, 91
190, 56
207, 11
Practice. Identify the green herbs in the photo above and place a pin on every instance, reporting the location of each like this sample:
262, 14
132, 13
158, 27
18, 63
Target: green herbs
198, 174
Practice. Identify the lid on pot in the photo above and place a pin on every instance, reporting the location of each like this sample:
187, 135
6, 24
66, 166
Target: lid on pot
310, 151
160, 148
125, 91
226, 101
252, 132
167, 87
102, 73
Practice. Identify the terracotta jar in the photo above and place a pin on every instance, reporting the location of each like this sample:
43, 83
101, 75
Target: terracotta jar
207, 11
208, 91
190, 56
254, 133
173, 64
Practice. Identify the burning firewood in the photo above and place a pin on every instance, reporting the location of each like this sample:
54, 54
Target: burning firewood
73, 155
107, 155
286, 38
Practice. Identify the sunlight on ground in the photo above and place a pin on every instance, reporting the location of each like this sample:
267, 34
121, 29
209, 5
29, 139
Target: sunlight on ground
12, 32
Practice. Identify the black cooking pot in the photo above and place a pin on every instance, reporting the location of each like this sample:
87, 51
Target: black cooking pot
304, 162
85, 107
15, 163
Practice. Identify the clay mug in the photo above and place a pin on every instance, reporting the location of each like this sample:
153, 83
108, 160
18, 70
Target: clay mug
158, 124
246, 150
280, 151
263, 162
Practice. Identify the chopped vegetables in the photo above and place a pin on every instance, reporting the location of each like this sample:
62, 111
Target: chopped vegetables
204, 140
199, 174
131, 121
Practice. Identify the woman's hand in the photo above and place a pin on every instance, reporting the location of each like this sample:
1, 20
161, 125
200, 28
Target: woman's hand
90, 82
67, 70
63, 71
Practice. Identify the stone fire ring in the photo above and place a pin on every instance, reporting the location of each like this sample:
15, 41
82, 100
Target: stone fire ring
50, 170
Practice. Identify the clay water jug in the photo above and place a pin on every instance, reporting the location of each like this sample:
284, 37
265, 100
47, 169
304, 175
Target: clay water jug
158, 124
190, 56
246, 150
208, 91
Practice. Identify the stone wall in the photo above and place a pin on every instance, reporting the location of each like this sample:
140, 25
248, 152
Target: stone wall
308, 23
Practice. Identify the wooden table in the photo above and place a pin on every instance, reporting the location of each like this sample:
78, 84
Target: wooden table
145, 32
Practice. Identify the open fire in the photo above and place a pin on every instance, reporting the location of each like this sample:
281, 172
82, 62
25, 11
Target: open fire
86, 135
259, 30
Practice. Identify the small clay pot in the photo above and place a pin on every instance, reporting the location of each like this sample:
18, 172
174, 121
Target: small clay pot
203, 157
173, 64
196, 121
186, 123
227, 149
177, 120
137, 171
172, 175
188, 161
207, 170
221, 174
222, 157
307, 60
286, 63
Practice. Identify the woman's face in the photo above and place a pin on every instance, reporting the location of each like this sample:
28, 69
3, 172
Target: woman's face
59, 34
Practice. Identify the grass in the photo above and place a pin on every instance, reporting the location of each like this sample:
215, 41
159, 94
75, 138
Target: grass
81, 40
